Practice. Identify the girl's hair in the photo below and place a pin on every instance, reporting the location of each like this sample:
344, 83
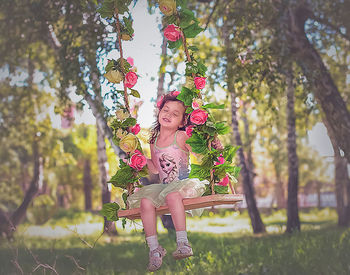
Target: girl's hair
156, 126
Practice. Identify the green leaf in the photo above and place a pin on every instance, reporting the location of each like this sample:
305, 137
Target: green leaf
190, 69
219, 189
192, 30
122, 5
229, 152
222, 128
130, 121
174, 44
110, 211
197, 143
186, 96
181, 3
123, 176
200, 172
201, 68
213, 106
125, 197
123, 222
107, 9
186, 18
128, 25
208, 130
135, 93
110, 65
193, 48
189, 110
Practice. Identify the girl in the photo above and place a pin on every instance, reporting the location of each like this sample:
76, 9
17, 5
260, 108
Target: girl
169, 159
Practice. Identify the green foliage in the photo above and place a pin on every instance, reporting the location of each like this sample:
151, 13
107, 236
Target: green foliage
198, 143
110, 211
192, 30
135, 93
186, 96
174, 44
123, 176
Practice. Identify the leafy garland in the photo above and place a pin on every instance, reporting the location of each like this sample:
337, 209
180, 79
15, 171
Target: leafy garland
216, 166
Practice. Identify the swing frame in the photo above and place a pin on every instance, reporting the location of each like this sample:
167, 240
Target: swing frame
189, 204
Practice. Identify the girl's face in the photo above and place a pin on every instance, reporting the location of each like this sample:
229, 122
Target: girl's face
171, 115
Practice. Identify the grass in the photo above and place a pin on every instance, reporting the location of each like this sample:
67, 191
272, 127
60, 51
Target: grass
321, 248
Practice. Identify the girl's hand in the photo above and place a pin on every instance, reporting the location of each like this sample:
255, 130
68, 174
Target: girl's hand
152, 168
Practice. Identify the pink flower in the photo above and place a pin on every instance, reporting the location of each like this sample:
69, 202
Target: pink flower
130, 61
159, 102
199, 117
137, 160
136, 129
175, 93
199, 82
189, 130
221, 160
224, 181
195, 105
172, 32
130, 79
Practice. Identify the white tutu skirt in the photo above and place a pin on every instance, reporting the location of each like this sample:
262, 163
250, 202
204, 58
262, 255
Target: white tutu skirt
156, 193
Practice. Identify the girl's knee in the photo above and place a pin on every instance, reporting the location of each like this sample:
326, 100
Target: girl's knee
173, 197
146, 204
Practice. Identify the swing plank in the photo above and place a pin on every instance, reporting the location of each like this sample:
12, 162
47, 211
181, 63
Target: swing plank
191, 203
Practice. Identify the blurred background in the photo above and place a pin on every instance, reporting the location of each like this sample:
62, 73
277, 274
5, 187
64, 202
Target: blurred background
280, 67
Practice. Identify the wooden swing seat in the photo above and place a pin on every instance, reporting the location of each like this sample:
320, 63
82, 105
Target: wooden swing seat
191, 203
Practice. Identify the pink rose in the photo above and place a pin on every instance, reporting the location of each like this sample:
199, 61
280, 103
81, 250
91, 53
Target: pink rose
195, 105
189, 130
199, 117
172, 32
159, 102
221, 160
137, 160
130, 79
199, 82
175, 93
130, 61
136, 129
224, 181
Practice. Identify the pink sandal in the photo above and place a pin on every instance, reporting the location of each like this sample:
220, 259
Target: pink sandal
182, 251
156, 258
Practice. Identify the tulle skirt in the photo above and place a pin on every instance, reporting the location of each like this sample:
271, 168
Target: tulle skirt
156, 193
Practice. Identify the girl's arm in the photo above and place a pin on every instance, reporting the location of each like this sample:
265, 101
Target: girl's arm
150, 164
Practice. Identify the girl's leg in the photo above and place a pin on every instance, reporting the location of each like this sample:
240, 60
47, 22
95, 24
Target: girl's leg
148, 217
177, 210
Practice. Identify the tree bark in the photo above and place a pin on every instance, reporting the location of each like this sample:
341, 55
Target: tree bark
87, 184
341, 181
324, 89
293, 222
108, 226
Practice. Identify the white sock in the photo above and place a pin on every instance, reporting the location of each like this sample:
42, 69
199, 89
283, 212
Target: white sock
152, 242
181, 237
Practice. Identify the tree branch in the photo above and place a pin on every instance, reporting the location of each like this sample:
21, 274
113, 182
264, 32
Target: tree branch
211, 14
329, 25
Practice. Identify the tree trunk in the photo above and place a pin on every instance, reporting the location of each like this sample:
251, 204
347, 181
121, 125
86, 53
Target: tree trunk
87, 184
293, 222
279, 189
257, 224
250, 162
8, 224
341, 181
324, 89
108, 226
